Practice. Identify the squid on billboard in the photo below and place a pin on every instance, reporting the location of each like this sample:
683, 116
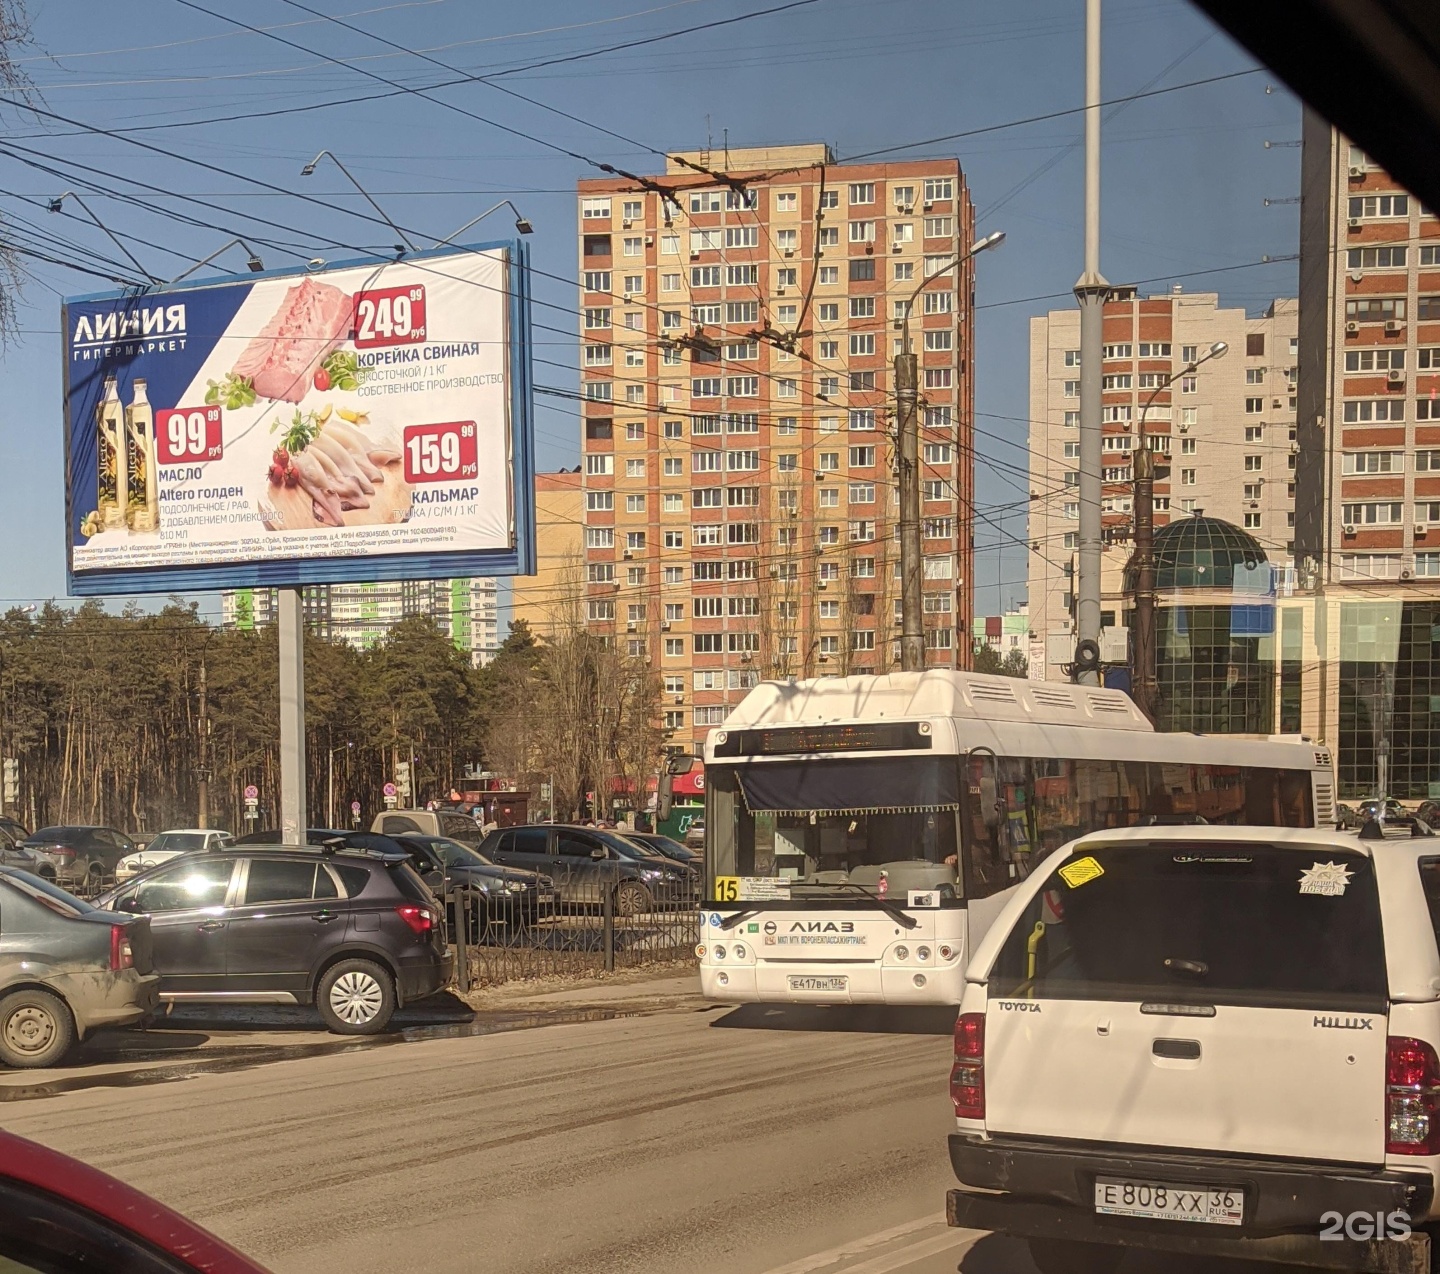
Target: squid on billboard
358, 421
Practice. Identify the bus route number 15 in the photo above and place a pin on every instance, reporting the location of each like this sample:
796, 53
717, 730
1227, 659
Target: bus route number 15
727, 888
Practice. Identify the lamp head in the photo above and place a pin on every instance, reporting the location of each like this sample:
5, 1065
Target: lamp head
1219, 349
308, 169
256, 265
54, 204
523, 226
992, 240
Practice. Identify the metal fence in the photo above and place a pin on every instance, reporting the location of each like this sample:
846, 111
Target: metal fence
587, 931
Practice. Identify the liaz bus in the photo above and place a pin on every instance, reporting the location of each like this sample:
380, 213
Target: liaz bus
859, 830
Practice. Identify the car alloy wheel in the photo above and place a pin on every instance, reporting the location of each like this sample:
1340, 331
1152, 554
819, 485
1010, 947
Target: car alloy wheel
356, 997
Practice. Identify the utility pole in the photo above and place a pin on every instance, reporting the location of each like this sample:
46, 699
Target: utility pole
294, 818
202, 768
1091, 292
912, 631
912, 623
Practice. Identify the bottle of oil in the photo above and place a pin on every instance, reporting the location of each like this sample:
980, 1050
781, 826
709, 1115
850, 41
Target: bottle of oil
112, 496
143, 507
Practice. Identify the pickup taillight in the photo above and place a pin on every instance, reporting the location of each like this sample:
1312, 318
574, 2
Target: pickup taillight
121, 954
1412, 1097
967, 1075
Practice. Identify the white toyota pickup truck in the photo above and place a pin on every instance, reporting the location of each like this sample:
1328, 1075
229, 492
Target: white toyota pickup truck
1209, 1040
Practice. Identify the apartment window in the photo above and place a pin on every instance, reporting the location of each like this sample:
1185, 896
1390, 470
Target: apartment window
598, 355
934, 265
1119, 412
674, 646
829, 610
1365, 411
670, 283
634, 246
862, 270
787, 201
1189, 384
1375, 309
937, 453
1427, 462
828, 274
1427, 308
939, 188
1253, 464
743, 386
670, 357
786, 316
1072, 389
1189, 417
1372, 513
1154, 349
705, 387
904, 271
1427, 409
1390, 257
862, 457
862, 192
1072, 420
1116, 351
600, 610
936, 604
861, 532
742, 643
742, 497
703, 535
939, 227
862, 493
829, 535
1188, 477
938, 528
829, 311
1381, 360
938, 567
828, 461
1070, 509
1375, 461
829, 199
705, 276
862, 232
706, 498
594, 209
1379, 206
597, 318
787, 536
1427, 513
672, 504
1187, 446
742, 461
936, 302
634, 539
862, 343
599, 464
1369, 566
635, 504
939, 341
939, 378
599, 537
902, 232
744, 236
600, 573
672, 540
1254, 433
599, 501
708, 607
1120, 381
1116, 442
1252, 521
634, 393
742, 351
938, 418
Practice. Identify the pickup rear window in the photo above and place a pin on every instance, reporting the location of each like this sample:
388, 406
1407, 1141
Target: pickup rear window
1205, 924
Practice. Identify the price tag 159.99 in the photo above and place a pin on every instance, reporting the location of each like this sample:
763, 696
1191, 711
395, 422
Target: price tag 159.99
441, 453
188, 435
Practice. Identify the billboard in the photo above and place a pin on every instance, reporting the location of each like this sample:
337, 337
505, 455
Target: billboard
365, 420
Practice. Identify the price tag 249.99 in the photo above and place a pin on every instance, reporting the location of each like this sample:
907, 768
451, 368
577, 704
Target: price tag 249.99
389, 316
441, 453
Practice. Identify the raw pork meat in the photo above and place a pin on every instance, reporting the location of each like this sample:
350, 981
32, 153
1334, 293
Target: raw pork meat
313, 319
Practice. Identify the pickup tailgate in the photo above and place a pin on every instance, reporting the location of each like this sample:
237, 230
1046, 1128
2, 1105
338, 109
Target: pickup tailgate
1213, 997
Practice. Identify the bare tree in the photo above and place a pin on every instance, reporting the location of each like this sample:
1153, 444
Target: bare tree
14, 36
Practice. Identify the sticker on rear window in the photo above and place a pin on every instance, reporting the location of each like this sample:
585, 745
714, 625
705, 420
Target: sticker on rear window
1081, 872
1327, 879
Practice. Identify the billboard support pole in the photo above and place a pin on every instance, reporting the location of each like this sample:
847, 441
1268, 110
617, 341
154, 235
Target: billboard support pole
293, 817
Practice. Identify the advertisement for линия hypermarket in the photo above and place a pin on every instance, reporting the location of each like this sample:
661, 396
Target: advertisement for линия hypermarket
361, 412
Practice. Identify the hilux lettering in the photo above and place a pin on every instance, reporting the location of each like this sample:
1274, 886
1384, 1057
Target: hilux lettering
823, 926
1344, 1023
1017, 1006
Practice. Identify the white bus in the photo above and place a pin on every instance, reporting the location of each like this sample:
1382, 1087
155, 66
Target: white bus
859, 829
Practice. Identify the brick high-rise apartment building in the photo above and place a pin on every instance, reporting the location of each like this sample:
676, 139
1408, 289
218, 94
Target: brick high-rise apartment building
740, 517
1227, 434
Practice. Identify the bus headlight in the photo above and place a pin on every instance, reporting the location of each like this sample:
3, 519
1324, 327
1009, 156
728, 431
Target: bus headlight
739, 950
723, 979
719, 953
919, 979
902, 953
922, 953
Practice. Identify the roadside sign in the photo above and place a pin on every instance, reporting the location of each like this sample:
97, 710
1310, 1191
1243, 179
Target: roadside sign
354, 807
252, 793
390, 790
390, 802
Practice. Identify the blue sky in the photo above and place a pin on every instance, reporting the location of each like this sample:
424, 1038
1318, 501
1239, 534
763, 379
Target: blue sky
1186, 174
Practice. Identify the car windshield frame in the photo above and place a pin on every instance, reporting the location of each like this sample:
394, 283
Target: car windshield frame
462, 855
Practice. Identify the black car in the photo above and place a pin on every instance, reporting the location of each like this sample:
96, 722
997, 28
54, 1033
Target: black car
586, 862
509, 896
671, 849
355, 934
77, 855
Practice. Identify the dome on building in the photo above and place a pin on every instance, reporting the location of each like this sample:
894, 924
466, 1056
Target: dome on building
1202, 553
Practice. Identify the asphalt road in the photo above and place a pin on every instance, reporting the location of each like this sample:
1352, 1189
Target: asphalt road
749, 1141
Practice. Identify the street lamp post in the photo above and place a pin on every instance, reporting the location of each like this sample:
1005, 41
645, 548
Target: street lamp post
912, 630
1146, 680
330, 796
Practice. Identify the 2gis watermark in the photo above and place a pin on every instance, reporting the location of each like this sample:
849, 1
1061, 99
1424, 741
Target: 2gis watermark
1365, 1227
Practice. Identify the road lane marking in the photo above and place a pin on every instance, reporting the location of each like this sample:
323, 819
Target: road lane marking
918, 1246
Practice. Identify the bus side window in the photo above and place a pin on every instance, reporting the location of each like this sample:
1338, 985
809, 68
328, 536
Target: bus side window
998, 832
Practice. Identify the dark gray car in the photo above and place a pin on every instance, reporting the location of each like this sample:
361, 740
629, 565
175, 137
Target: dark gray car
585, 862
81, 856
356, 935
66, 969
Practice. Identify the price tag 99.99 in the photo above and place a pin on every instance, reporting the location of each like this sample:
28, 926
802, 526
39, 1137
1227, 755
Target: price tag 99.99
188, 435
441, 453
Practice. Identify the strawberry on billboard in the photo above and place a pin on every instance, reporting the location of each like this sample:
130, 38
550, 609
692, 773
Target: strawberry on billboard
365, 420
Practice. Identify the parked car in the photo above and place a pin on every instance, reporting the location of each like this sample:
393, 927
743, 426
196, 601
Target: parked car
1430, 812
12, 832
58, 1214
1347, 818
671, 849
695, 834
78, 855
1381, 808
585, 862
509, 896
1163, 973
356, 935
168, 845
66, 969
449, 823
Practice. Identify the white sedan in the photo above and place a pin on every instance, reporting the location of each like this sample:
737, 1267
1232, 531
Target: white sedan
168, 845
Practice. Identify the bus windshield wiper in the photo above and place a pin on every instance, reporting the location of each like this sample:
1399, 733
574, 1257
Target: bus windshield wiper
891, 909
739, 918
